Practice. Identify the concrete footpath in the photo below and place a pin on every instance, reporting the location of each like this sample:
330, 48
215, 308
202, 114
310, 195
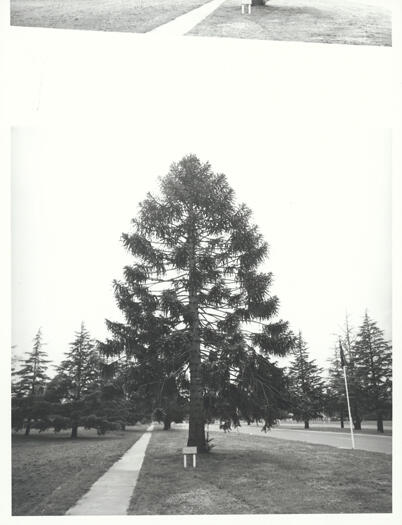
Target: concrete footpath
111, 493
184, 23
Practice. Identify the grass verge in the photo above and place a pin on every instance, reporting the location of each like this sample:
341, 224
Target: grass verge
50, 472
260, 475
134, 16
340, 22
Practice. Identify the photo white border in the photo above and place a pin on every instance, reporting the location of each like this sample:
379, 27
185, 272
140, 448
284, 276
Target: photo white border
34, 96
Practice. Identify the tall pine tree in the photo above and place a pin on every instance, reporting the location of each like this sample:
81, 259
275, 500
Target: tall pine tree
30, 381
356, 394
373, 365
195, 286
78, 375
31, 378
306, 384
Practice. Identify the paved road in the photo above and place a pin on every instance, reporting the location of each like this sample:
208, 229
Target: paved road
370, 442
334, 425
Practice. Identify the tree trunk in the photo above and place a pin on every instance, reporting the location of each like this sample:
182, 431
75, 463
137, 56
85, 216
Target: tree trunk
74, 431
306, 423
166, 423
380, 423
196, 431
28, 428
342, 422
357, 420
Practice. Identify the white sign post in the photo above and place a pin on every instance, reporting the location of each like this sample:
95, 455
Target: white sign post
343, 365
246, 3
350, 415
193, 452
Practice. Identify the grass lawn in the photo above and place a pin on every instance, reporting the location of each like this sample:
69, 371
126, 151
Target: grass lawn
136, 16
260, 475
326, 21
50, 472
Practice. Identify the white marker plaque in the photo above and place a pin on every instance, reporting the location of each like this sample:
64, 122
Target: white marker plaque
189, 450
246, 3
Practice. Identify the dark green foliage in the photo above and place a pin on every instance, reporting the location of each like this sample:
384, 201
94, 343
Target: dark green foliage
102, 424
306, 385
253, 389
336, 393
108, 406
172, 412
31, 378
197, 311
79, 394
356, 393
120, 384
78, 374
335, 396
151, 379
358, 400
33, 412
29, 387
373, 369
368, 359
61, 423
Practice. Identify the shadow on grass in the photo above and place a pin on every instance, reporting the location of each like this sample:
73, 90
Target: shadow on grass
280, 10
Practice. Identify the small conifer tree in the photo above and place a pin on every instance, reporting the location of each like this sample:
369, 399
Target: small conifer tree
78, 374
373, 364
306, 384
30, 382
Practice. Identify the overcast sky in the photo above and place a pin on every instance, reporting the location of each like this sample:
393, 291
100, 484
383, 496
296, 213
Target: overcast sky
321, 199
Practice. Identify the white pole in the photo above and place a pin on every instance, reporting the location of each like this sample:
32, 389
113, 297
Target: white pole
350, 417
185, 460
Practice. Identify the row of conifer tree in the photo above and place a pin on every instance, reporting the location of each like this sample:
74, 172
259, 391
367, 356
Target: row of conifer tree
91, 392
